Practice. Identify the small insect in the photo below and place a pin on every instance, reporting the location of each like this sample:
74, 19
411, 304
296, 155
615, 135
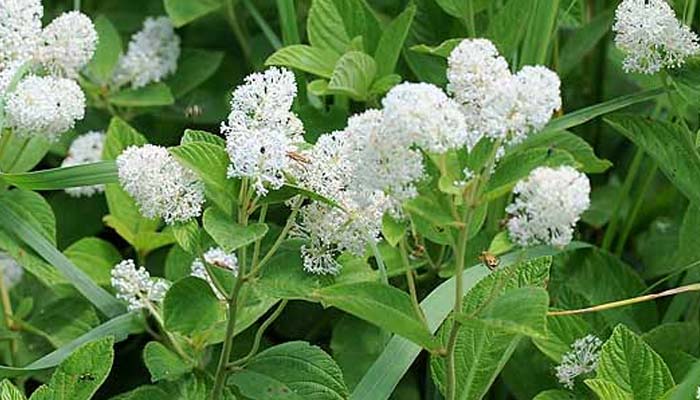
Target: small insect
489, 260
86, 377
298, 157
193, 111
418, 251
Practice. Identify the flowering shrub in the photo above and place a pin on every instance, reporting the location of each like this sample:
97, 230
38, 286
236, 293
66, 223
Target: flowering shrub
349, 199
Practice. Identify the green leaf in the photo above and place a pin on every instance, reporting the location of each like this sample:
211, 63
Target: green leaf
687, 388
163, 364
229, 234
633, 366
191, 136
194, 67
380, 304
508, 26
109, 48
607, 390
571, 143
182, 12
190, 306
580, 117
80, 375
333, 24
144, 393
8, 391
95, 257
554, 394
293, 370
516, 166
14, 219
457, 8
538, 35
562, 333
66, 177
481, 350
210, 162
521, 311
399, 354
356, 344
64, 320
353, 75
187, 235
392, 40
314, 60
392, 230
120, 135
155, 94
669, 145
444, 49
21, 153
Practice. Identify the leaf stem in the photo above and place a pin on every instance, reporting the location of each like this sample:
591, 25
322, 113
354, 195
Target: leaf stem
695, 287
410, 280
7, 314
383, 276
259, 334
626, 188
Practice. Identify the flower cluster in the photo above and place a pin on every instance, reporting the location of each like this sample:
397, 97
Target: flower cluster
216, 257
547, 206
261, 130
136, 287
44, 105
160, 186
47, 102
85, 149
151, 56
651, 37
11, 271
496, 103
582, 359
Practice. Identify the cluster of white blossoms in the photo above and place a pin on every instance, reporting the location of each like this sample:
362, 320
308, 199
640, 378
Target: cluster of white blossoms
46, 102
261, 130
44, 105
67, 44
496, 103
85, 149
216, 257
547, 205
582, 359
11, 271
136, 287
651, 37
151, 56
160, 186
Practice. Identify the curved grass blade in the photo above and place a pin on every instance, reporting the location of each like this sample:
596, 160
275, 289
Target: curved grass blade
67, 177
99, 297
119, 327
584, 115
398, 355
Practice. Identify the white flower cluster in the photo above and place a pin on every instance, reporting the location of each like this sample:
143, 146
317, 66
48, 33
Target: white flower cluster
582, 359
136, 287
496, 103
20, 29
217, 257
262, 130
160, 186
151, 56
44, 105
11, 271
648, 32
547, 206
85, 149
68, 44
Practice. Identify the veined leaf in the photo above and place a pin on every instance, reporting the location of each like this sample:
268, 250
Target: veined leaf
444, 49
314, 60
608, 390
353, 75
194, 67
292, 371
162, 363
629, 363
192, 135
334, 24
583, 40
571, 143
229, 234
538, 36
507, 28
8, 391
190, 306
20, 153
66, 177
380, 304
671, 147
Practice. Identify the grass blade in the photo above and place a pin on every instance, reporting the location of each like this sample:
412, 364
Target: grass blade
62, 178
